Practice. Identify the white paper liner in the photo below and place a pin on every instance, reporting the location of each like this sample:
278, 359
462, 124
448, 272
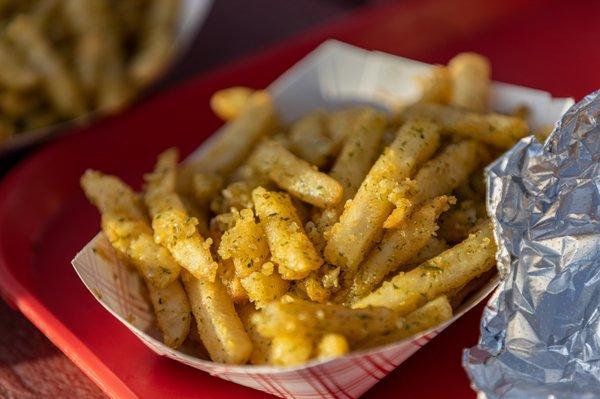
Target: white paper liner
333, 75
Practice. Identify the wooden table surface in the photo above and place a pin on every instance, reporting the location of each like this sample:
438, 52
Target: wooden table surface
30, 365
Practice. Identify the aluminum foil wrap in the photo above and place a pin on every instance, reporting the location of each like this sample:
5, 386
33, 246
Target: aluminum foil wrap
540, 332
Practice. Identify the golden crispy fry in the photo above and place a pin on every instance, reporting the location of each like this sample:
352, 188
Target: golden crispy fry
59, 84
219, 326
261, 344
331, 346
173, 226
229, 103
290, 248
456, 224
155, 48
470, 81
340, 124
498, 130
431, 314
320, 284
362, 220
128, 16
439, 176
457, 297
206, 187
265, 286
309, 139
432, 248
438, 276
172, 311
15, 72
246, 244
398, 247
126, 226
437, 87
298, 177
234, 144
290, 350
302, 318
232, 282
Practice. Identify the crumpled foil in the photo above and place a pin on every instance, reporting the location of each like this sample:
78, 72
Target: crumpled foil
540, 332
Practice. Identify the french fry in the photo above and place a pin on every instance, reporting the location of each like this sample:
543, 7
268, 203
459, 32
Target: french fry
245, 243
362, 220
302, 318
7, 129
498, 130
340, 124
432, 248
235, 142
432, 314
437, 87
232, 282
456, 224
206, 187
15, 72
219, 326
261, 344
124, 223
59, 84
298, 177
16, 104
354, 160
457, 297
398, 247
290, 248
320, 284
441, 275
229, 103
173, 226
155, 47
172, 310
39, 119
309, 139
470, 74
264, 286
331, 346
290, 350
439, 176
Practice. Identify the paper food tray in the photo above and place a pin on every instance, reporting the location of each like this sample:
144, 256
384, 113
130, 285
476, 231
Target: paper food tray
333, 75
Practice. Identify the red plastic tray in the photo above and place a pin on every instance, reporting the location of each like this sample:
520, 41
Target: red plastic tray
45, 220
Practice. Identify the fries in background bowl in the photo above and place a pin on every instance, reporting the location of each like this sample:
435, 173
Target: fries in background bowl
66, 62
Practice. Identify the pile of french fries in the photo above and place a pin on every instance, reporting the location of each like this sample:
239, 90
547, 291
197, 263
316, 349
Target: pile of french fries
63, 59
346, 230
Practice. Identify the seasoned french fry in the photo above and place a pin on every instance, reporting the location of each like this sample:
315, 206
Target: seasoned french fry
438, 176
173, 226
298, 177
354, 161
438, 276
7, 129
124, 223
320, 284
331, 346
431, 314
398, 247
290, 350
261, 344
362, 220
290, 248
245, 243
16, 104
457, 297
432, 248
206, 187
470, 81
15, 72
219, 326
232, 282
340, 124
437, 87
309, 139
59, 84
264, 286
498, 130
235, 142
172, 310
229, 103
456, 224
156, 41
302, 318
